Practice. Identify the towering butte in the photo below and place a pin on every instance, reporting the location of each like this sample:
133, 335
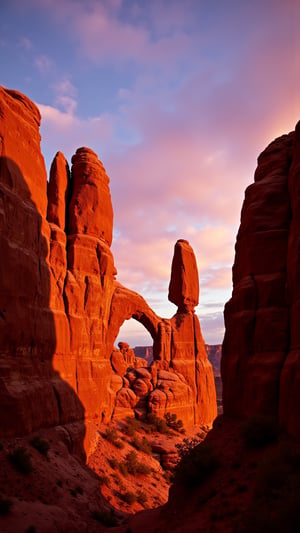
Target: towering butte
260, 360
62, 308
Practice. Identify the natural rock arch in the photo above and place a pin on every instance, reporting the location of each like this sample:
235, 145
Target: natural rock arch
126, 304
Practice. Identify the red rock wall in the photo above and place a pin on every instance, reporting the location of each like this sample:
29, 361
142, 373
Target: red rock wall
61, 307
260, 360
30, 389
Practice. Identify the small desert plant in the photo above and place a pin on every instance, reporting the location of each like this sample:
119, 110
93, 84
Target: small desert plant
142, 445
157, 423
196, 465
129, 497
141, 497
104, 480
132, 425
107, 518
41, 445
112, 436
123, 469
173, 423
258, 431
169, 476
133, 465
21, 460
113, 463
186, 446
77, 490
5, 505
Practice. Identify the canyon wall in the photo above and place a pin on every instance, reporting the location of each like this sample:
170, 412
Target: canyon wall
62, 307
261, 349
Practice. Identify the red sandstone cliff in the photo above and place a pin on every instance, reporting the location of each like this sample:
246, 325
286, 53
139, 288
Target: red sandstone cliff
61, 306
261, 357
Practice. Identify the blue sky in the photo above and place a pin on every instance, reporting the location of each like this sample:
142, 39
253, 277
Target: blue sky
178, 98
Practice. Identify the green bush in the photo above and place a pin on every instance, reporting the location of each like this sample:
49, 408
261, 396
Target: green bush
141, 498
187, 445
76, 490
258, 431
107, 518
112, 436
173, 423
21, 460
142, 445
196, 465
41, 445
104, 480
5, 505
123, 469
132, 425
129, 497
113, 463
157, 423
133, 465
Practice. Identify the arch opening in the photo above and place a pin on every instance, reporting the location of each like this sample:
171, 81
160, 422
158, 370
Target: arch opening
136, 334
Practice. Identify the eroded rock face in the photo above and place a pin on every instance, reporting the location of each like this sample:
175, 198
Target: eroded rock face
260, 361
61, 306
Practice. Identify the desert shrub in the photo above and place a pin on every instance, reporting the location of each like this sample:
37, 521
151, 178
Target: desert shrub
168, 476
133, 465
107, 518
113, 463
187, 445
258, 431
104, 480
123, 469
157, 423
196, 464
41, 445
143, 445
76, 490
5, 505
173, 423
132, 425
117, 479
141, 497
21, 460
112, 436
129, 497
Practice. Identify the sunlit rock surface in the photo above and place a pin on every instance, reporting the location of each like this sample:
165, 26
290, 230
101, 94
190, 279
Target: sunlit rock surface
62, 307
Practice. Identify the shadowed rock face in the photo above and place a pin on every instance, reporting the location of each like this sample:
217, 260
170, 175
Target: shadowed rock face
261, 349
61, 306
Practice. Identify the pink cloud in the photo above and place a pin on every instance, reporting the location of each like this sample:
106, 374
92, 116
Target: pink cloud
189, 142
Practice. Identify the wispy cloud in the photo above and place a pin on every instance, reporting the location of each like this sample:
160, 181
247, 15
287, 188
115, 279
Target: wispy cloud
44, 64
